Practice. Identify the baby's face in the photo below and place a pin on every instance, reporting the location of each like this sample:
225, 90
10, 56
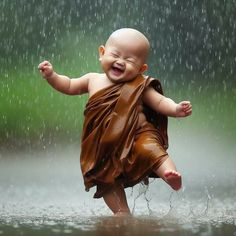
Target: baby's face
122, 60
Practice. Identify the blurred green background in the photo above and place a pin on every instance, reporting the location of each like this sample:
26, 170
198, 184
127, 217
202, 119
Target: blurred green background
193, 53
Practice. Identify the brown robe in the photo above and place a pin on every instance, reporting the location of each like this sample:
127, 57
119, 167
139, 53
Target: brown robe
113, 147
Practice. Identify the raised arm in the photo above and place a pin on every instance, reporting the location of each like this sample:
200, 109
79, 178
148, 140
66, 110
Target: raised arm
166, 106
63, 83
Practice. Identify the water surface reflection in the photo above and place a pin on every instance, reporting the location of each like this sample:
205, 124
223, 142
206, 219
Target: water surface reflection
43, 193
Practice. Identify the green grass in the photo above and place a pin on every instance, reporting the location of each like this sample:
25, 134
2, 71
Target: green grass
31, 110
33, 113
213, 103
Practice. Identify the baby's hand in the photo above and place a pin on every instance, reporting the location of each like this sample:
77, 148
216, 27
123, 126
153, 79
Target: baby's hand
46, 69
183, 109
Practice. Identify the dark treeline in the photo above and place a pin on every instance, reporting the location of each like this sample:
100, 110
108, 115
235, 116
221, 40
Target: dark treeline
195, 35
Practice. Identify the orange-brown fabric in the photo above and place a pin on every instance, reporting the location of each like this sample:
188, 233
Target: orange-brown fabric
113, 148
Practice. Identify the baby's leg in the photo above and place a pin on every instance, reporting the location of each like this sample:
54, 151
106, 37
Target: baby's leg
116, 200
167, 171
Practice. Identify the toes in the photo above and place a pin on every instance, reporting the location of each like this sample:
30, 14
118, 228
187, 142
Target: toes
172, 173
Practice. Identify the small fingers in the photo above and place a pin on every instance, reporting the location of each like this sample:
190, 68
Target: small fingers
43, 64
188, 111
186, 106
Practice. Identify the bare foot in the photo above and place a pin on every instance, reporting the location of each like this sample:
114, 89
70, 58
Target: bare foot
173, 178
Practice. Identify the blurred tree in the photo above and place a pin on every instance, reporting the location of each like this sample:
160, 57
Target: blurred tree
197, 36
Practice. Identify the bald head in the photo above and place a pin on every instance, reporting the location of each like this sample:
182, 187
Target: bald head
132, 38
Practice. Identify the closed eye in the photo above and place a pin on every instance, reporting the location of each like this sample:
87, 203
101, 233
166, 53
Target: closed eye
114, 55
130, 60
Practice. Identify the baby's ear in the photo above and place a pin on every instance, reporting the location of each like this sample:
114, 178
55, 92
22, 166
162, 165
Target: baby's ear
101, 51
143, 68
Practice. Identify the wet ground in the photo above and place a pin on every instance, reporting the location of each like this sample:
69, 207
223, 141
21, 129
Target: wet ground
42, 193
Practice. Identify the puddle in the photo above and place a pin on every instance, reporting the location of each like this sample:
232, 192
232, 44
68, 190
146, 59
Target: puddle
43, 194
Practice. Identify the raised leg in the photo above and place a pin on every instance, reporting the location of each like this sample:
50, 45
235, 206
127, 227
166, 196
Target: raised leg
167, 171
116, 200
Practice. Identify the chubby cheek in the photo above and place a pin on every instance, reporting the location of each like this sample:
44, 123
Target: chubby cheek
131, 70
104, 64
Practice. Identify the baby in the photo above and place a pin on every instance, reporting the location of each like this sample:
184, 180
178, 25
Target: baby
124, 137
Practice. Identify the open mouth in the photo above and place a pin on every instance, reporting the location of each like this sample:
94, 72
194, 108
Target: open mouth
117, 70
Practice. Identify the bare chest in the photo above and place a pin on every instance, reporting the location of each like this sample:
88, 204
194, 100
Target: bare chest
98, 83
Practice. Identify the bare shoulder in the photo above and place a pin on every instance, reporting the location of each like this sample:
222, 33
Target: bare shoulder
81, 84
92, 76
89, 76
93, 85
97, 81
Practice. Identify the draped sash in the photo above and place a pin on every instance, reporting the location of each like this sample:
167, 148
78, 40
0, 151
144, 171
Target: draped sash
111, 118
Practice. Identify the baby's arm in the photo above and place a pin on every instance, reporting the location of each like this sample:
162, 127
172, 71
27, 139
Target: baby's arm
63, 83
166, 106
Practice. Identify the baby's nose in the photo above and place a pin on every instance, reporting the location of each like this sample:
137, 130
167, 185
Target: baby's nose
120, 62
